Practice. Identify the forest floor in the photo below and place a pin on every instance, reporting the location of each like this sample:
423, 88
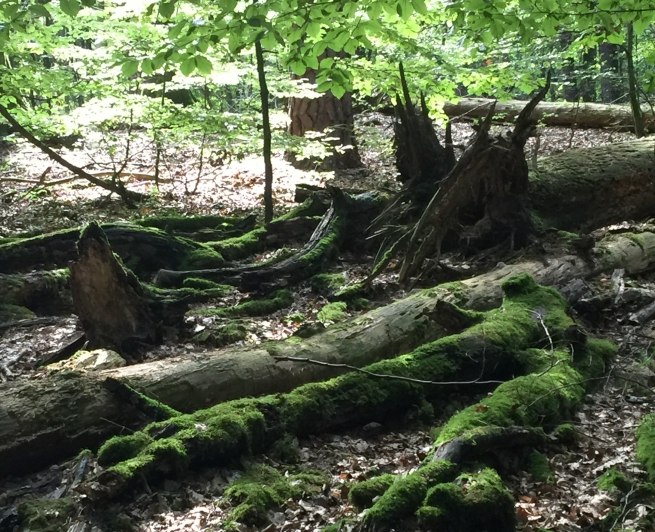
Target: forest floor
567, 498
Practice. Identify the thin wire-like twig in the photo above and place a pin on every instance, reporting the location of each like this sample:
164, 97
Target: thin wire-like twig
384, 375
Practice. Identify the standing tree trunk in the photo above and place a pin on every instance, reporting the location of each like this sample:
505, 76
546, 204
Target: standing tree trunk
326, 113
266, 132
633, 89
610, 62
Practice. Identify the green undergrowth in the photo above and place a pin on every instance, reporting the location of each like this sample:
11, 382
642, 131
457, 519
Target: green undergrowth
500, 343
254, 307
326, 284
613, 480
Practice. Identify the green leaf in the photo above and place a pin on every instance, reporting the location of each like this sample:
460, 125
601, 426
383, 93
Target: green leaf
203, 65
615, 38
147, 66
338, 90
203, 45
319, 48
188, 66
313, 29
420, 7
130, 67
39, 11
311, 62
255, 22
70, 7
166, 9
297, 67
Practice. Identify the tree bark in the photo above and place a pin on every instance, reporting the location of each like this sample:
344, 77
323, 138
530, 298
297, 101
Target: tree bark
46, 419
588, 188
567, 114
108, 298
326, 113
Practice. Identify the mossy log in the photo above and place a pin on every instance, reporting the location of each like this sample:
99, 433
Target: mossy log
143, 250
506, 424
590, 187
344, 216
508, 341
43, 292
36, 413
568, 114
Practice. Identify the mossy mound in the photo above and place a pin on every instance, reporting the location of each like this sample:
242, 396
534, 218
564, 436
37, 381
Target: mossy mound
646, 445
262, 488
222, 335
332, 312
254, 307
327, 284
474, 502
362, 494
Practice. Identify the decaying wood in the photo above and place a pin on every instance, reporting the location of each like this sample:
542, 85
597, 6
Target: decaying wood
108, 299
569, 114
485, 193
591, 187
35, 414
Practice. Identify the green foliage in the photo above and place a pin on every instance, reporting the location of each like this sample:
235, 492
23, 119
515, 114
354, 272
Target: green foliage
646, 444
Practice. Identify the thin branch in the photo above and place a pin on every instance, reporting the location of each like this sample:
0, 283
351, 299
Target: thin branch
383, 375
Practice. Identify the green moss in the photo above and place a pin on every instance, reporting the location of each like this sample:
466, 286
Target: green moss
253, 307
594, 359
332, 312
201, 258
10, 313
538, 399
406, 494
326, 246
188, 223
613, 480
539, 467
327, 284
470, 504
362, 494
242, 246
566, 433
202, 284
46, 515
286, 450
121, 448
222, 335
262, 488
646, 444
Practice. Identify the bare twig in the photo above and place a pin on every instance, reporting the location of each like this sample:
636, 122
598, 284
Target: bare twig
386, 376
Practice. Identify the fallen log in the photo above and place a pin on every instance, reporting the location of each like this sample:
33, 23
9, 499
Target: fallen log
495, 348
568, 114
37, 413
591, 187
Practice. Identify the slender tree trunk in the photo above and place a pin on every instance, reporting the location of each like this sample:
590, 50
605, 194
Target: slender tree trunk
610, 88
266, 132
633, 89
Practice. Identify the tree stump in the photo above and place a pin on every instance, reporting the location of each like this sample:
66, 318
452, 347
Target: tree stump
108, 298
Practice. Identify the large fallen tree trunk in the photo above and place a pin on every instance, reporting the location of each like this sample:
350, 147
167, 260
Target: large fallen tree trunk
583, 115
508, 341
42, 420
588, 188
